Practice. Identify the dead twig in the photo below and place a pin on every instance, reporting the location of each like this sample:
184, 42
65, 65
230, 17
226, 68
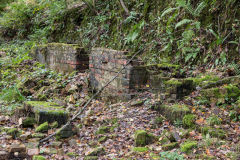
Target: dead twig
124, 7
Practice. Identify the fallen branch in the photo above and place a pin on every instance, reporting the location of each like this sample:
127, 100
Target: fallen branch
86, 104
124, 7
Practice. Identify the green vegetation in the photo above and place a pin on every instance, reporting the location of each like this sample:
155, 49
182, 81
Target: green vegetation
140, 149
187, 146
189, 120
42, 127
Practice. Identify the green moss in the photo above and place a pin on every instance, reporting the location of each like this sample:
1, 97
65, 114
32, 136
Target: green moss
38, 135
189, 120
43, 104
103, 130
214, 132
54, 124
173, 82
47, 111
187, 146
205, 79
42, 128
39, 158
13, 132
232, 91
140, 149
169, 146
142, 138
173, 112
28, 122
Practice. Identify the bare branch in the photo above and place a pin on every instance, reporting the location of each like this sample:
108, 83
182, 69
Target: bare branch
124, 7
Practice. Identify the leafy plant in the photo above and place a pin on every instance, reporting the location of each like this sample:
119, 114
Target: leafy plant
171, 156
178, 123
11, 95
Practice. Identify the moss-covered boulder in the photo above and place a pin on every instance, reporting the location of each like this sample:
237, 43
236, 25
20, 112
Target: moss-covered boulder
188, 146
46, 111
173, 112
42, 127
37, 157
142, 138
67, 132
28, 122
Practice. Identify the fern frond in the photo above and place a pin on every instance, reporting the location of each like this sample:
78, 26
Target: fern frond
199, 8
181, 3
167, 11
182, 22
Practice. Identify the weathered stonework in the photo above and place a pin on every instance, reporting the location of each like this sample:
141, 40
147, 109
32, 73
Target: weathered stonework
62, 57
104, 65
166, 87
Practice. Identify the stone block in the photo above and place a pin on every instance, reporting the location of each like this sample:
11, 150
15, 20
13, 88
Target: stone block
43, 112
62, 57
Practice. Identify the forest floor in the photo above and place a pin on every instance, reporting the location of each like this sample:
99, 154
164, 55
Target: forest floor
108, 131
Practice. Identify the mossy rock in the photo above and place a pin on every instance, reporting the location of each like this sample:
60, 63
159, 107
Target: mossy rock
173, 112
42, 127
188, 146
38, 157
221, 94
170, 146
28, 122
140, 149
91, 158
69, 131
47, 111
142, 138
13, 132
204, 80
189, 120
103, 130
214, 132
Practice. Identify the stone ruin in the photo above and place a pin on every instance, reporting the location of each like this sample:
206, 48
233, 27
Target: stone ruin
103, 64
106, 63
62, 57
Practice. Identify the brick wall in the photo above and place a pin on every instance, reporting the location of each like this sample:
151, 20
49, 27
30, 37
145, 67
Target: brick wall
62, 57
104, 65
